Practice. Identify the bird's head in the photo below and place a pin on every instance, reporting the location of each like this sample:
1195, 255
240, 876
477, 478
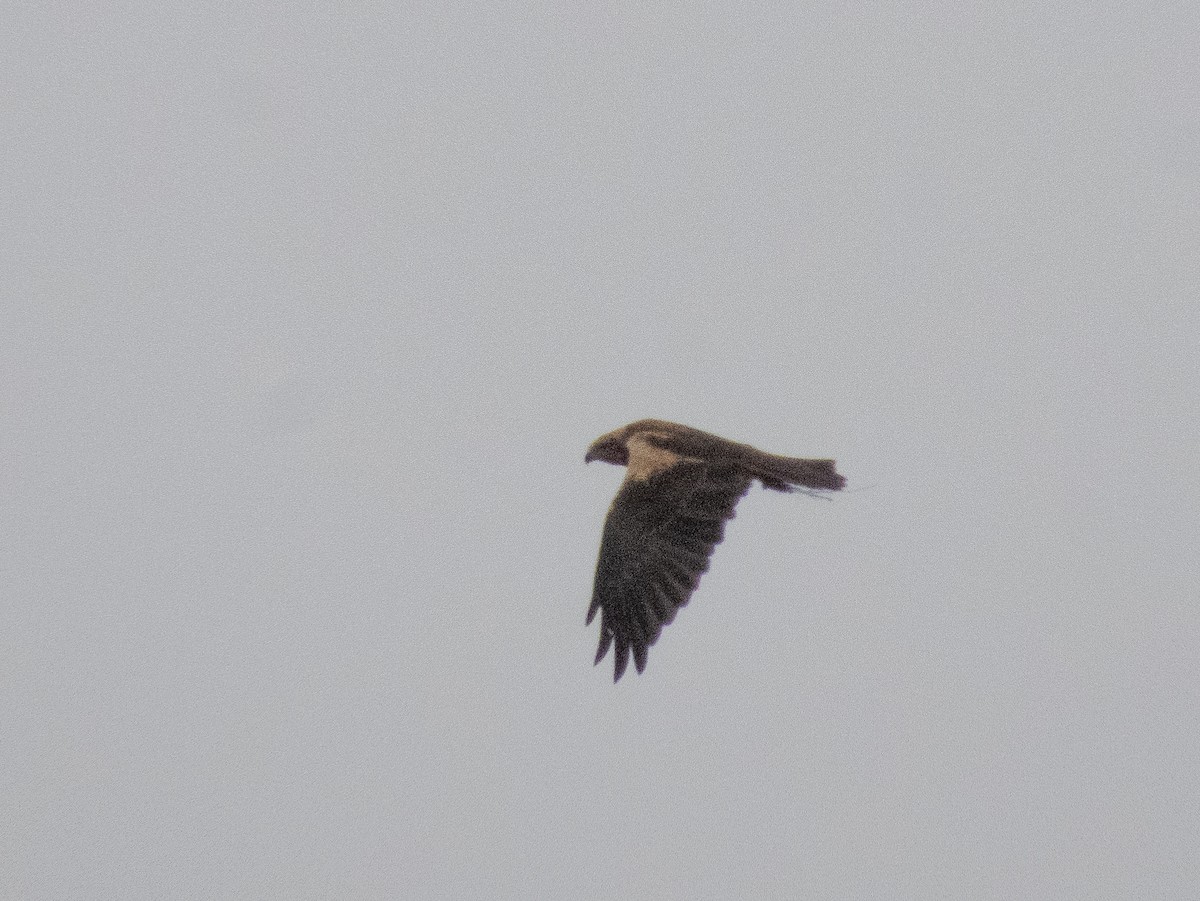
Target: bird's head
610, 448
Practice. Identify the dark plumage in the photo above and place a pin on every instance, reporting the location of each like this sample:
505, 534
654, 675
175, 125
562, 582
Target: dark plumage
680, 488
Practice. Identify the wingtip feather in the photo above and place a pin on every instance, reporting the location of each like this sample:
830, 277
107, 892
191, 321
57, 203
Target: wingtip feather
620, 658
639, 658
605, 641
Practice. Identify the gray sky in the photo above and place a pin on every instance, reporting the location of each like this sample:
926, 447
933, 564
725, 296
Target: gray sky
310, 314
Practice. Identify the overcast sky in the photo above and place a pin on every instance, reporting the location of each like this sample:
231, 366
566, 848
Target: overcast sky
309, 315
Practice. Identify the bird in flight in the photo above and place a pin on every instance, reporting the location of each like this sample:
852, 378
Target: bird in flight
681, 485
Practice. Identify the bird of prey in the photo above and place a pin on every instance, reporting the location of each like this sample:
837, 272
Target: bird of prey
681, 485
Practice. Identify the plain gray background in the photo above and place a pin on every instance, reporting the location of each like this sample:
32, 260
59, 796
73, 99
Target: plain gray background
310, 312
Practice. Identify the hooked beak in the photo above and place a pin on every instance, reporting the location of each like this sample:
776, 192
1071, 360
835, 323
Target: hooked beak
608, 449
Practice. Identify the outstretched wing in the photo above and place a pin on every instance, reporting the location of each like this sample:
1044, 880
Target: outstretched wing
658, 537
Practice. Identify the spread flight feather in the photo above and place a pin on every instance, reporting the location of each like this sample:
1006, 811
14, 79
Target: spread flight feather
681, 487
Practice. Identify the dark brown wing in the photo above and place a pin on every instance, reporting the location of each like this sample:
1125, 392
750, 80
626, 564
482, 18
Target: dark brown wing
658, 538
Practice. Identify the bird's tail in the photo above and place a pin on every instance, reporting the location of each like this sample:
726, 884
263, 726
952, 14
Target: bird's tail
785, 473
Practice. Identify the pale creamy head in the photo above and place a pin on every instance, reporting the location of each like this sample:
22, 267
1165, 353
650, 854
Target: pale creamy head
647, 459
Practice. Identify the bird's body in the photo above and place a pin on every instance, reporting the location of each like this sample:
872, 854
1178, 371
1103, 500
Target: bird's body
681, 486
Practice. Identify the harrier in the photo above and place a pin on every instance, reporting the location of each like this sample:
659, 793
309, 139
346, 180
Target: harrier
681, 485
